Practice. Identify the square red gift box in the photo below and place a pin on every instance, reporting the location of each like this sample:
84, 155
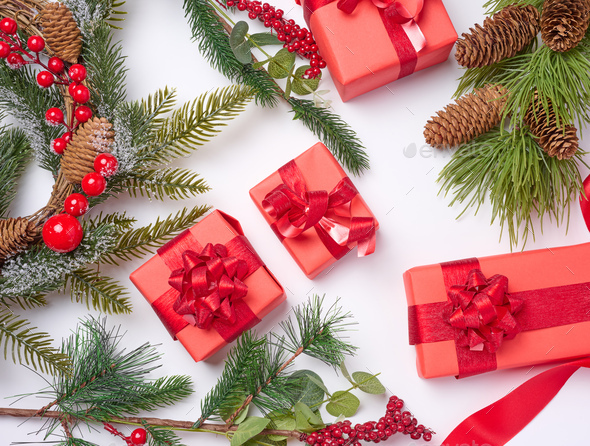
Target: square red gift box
476, 315
208, 285
370, 43
315, 210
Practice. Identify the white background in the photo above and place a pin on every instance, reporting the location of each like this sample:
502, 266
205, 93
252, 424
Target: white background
417, 227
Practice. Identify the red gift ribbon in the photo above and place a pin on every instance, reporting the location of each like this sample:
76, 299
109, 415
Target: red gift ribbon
297, 210
206, 287
501, 421
585, 202
400, 23
537, 309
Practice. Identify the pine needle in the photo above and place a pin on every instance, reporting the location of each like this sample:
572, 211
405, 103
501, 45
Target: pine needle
171, 183
99, 292
15, 152
494, 6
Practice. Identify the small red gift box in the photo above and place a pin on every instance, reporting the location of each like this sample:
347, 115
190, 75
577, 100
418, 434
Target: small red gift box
208, 285
315, 210
370, 43
476, 315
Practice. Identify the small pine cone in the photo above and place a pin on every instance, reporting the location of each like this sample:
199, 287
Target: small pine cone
561, 142
91, 138
501, 37
564, 23
61, 32
16, 235
472, 115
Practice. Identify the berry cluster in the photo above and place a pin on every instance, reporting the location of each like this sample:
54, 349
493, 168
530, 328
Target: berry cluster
394, 421
137, 438
296, 39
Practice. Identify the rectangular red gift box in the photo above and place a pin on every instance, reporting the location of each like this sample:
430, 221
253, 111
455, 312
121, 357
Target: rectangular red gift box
320, 171
364, 51
552, 285
264, 293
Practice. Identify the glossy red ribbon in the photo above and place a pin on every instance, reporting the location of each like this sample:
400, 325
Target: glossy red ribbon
207, 287
537, 309
501, 421
406, 36
585, 202
297, 210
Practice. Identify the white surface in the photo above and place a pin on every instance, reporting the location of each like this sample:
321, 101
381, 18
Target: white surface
417, 227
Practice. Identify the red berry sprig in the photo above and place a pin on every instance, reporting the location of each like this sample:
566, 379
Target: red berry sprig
137, 438
296, 39
394, 421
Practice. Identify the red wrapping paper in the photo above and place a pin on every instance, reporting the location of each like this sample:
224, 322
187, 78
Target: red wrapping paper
264, 292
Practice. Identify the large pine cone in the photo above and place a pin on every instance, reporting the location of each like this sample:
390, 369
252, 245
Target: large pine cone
91, 138
61, 33
501, 36
564, 23
561, 142
472, 115
16, 235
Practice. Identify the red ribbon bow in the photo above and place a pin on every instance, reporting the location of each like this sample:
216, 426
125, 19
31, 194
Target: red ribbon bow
482, 312
297, 210
210, 283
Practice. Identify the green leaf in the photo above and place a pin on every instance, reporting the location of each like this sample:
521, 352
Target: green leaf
282, 421
307, 391
227, 411
281, 64
265, 441
306, 420
343, 403
239, 44
368, 383
262, 39
251, 427
303, 86
345, 373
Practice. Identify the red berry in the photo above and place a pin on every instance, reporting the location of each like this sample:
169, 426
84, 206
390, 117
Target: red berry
138, 436
230, 3
58, 145
8, 25
322, 64
93, 184
72, 87
76, 205
15, 61
279, 13
77, 72
67, 136
313, 63
4, 49
62, 233
415, 436
54, 116
281, 37
241, 6
83, 113
301, 34
267, 23
313, 47
36, 44
81, 94
427, 436
106, 164
252, 15
287, 29
56, 65
45, 79
316, 72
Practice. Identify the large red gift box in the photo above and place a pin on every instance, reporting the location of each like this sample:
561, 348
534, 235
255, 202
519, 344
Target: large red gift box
208, 285
370, 43
315, 210
476, 315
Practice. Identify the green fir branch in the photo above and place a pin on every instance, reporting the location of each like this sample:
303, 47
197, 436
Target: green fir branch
99, 292
139, 242
173, 183
161, 436
28, 346
73, 441
119, 221
15, 152
158, 104
493, 6
90, 13
30, 302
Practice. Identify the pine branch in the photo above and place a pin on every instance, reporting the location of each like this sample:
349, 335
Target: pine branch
494, 6
15, 152
175, 184
90, 13
158, 104
28, 346
119, 221
102, 293
32, 301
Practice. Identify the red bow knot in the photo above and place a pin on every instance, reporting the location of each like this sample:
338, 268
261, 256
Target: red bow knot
209, 284
483, 312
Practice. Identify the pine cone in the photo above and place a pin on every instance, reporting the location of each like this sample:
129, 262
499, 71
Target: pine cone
501, 36
61, 32
91, 138
472, 115
561, 142
16, 235
564, 23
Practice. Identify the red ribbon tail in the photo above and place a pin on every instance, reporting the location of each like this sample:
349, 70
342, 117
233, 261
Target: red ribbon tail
585, 202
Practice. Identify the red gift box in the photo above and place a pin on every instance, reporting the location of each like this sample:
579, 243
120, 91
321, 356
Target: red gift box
368, 44
476, 315
315, 210
208, 285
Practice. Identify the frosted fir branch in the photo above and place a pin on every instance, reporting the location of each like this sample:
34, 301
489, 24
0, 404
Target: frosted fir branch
88, 13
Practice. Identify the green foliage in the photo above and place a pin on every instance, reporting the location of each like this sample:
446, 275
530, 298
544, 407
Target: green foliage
343, 403
15, 152
309, 387
161, 436
368, 383
281, 64
251, 427
494, 6
90, 13
519, 178
28, 346
307, 420
303, 86
171, 183
102, 293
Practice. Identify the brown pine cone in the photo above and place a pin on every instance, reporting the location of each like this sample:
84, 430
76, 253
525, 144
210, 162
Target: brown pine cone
501, 37
16, 235
61, 32
472, 115
564, 23
561, 142
91, 138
